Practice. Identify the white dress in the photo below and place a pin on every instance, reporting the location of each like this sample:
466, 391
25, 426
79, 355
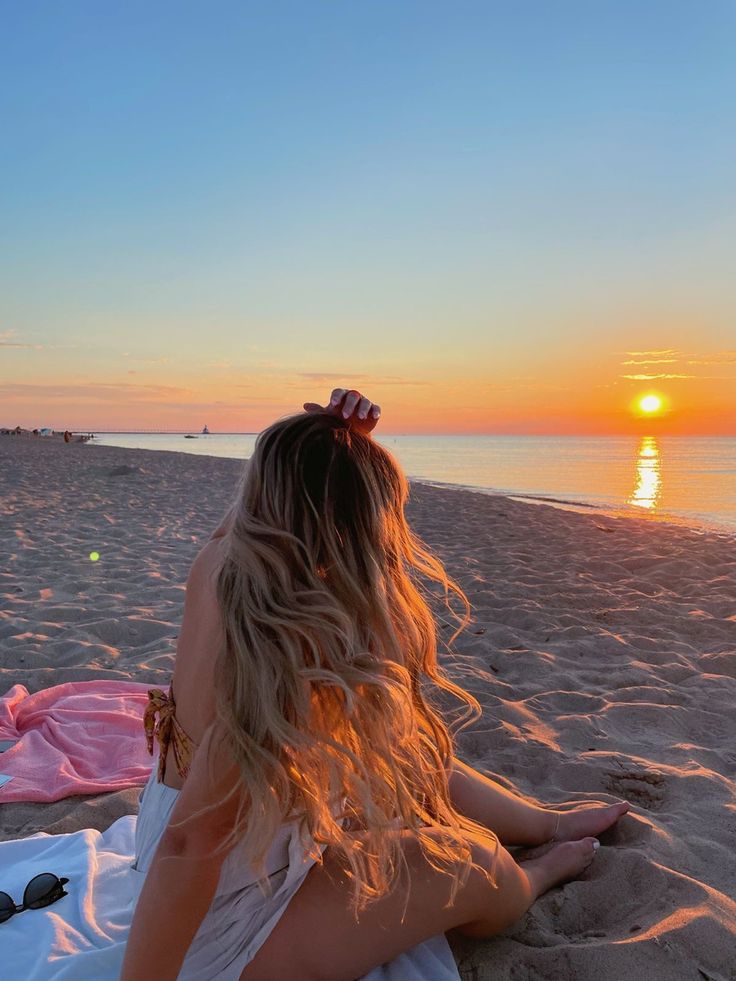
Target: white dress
241, 916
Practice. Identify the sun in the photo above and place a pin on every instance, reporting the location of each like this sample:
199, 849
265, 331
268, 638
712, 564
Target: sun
650, 403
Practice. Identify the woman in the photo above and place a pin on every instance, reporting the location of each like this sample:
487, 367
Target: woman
323, 826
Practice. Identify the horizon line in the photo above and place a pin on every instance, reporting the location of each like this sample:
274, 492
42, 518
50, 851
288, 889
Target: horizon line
184, 432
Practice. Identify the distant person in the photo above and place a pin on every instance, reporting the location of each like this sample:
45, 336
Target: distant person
299, 708
67, 436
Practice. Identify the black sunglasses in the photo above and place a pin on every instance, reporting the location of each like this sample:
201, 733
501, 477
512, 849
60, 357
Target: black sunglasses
42, 890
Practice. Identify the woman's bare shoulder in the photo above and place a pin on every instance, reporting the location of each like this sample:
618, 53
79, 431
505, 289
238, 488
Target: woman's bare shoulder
207, 563
225, 525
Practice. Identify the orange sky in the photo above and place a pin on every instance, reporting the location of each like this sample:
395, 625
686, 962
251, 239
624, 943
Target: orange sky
492, 389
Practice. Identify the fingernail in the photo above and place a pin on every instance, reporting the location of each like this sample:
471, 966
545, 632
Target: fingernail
345, 415
362, 415
596, 845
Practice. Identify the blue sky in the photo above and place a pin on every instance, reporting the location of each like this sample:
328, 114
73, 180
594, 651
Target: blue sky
446, 194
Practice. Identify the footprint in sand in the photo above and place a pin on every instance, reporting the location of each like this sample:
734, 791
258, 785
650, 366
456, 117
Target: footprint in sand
646, 788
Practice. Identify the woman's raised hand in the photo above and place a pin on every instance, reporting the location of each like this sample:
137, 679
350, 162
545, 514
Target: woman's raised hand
358, 411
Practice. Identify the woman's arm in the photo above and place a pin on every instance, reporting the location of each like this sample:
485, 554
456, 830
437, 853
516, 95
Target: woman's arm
176, 895
183, 876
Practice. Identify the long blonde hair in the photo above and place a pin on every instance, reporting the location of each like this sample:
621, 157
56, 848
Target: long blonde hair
329, 647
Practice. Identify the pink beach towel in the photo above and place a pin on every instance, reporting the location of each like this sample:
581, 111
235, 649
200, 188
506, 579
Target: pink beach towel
82, 737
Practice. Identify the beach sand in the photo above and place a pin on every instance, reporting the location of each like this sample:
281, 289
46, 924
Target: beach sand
605, 655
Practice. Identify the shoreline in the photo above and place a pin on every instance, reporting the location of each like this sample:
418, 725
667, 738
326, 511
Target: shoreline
584, 507
705, 526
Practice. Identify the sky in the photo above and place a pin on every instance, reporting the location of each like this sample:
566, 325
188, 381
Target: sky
489, 217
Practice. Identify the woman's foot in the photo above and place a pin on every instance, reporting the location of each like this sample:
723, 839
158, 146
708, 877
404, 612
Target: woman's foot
560, 864
587, 820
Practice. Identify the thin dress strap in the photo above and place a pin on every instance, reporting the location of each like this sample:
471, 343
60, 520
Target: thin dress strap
168, 730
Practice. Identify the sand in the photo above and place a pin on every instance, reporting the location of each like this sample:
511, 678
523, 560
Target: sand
608, 656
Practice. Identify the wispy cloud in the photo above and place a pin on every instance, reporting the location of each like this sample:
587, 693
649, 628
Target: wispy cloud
666, 353
652, 361
722, 357
671, 356
652, 377
332, 377
9, 338
96, 392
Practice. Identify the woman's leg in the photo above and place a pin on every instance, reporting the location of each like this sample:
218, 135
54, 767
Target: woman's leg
516, 821
319, 939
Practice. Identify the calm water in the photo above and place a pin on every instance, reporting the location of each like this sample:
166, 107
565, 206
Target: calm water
685, 478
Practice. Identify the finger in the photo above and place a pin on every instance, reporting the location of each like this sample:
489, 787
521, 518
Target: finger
313, 407
351, 400
338, 394
376, 411
363, 408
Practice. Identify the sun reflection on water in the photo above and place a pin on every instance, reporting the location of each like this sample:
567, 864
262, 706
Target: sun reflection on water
648, 475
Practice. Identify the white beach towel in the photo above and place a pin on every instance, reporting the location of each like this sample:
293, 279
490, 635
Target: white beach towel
82, 937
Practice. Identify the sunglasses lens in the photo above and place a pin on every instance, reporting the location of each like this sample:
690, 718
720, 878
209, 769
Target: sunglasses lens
7, 907
42, 890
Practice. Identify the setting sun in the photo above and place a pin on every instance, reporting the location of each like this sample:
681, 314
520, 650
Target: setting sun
650, 403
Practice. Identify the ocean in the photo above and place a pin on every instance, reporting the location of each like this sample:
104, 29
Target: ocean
676, 478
